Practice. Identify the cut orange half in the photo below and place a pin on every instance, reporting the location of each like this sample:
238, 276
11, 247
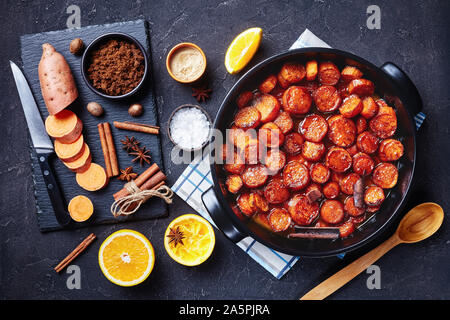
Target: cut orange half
242, 49
197, 240
126, 258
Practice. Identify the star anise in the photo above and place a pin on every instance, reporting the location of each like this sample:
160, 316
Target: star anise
202, 93
127, 174
130, 143
176, 236
141, 155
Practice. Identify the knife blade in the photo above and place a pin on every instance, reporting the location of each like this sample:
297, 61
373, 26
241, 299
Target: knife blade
41, 143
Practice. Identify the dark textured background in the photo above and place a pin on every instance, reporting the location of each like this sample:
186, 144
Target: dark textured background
414, 35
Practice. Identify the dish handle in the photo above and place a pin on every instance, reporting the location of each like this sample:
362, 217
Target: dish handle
406, 86
219, 217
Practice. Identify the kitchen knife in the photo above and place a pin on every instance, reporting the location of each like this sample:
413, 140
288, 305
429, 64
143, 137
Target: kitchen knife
41, 143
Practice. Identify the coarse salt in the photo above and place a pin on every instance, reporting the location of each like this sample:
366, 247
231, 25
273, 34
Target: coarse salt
189, 128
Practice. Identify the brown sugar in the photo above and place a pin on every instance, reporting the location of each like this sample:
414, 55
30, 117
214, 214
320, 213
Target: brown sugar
116, 67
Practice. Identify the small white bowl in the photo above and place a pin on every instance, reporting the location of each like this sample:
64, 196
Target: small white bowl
184, 106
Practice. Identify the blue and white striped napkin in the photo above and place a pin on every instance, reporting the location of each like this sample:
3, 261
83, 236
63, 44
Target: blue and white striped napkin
197, 178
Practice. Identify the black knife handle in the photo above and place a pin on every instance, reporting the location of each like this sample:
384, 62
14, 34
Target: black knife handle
56, 198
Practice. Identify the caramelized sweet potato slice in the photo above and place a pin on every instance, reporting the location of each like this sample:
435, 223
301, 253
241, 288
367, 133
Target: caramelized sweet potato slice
338, 159
268, 106
331, 190
244, 99
296, 100
328, 73
302, 211
390, 150
314, 128
279, 219
269, 84
296, 175
370, 108
327, 98
385, 175
374, 196
332, 211
351, 106
248, 118
234, 183
361, 87
291, 73
367, 142
276, 192
350, 73
254, 176
363, 164
320, 173
311, 70
270, 135
341, 131
284, 122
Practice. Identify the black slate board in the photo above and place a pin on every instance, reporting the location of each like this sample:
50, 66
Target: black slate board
114, 111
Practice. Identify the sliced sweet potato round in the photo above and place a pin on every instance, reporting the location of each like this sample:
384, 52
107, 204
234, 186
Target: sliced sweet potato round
81, 163
80, 208
64, 126
70, 151
93, 179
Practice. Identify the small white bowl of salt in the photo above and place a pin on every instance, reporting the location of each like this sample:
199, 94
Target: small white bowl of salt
189, 127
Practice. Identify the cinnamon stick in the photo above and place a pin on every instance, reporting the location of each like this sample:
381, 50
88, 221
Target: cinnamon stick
104, 144
153, 181
159, 185
139, 127
111, 149
358, 193
143, 177
76, 252
315, 233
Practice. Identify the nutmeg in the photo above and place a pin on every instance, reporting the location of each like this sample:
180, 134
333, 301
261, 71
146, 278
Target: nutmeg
76, 46
135, 110
95, 109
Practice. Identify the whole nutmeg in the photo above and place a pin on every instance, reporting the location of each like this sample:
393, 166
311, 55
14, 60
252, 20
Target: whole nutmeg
76, 46
135, 110
95, 109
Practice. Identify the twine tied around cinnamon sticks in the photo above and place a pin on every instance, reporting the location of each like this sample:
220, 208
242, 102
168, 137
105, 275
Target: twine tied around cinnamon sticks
130, 204
150, 183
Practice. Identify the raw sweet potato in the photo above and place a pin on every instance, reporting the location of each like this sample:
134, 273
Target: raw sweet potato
70, 151
82, 163
80, 208
57, 84
64, 126
93, 179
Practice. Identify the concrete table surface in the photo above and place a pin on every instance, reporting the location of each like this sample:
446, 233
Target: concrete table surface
413, 34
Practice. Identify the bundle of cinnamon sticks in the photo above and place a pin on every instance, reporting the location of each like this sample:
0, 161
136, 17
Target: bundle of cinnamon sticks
150, 179
109, 151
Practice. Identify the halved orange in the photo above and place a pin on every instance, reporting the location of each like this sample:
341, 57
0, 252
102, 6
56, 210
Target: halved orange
198, 240
126, 257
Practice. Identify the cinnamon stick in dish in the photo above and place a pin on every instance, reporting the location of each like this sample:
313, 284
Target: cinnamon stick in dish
76, 252
315, 233
139, 127
358, 193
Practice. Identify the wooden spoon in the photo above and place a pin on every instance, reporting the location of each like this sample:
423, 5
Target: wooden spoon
418, 224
